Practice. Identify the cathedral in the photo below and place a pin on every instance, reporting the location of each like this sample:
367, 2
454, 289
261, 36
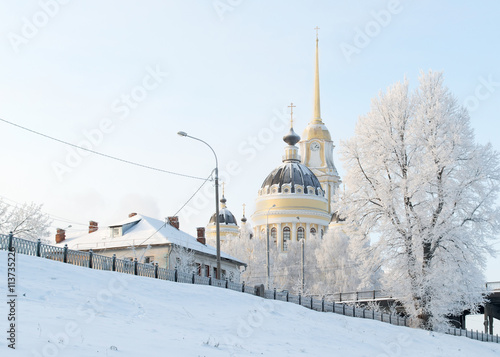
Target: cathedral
296, 198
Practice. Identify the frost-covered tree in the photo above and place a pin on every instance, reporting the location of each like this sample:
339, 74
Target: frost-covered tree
184, 259
26, 221
419, 185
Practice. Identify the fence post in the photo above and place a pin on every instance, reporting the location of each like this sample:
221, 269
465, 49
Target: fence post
353, 310
65, 253
156, 271
374, 295
113, 263
90, 258
300, 300
175, 275
38, 247
11, 236
323, 305
135, 266
287, 296
311, 303
333, 308
243, 287
381, 316
340, 297
274, 294
390, 318
192, 279
343, 309
364, 310
357, 296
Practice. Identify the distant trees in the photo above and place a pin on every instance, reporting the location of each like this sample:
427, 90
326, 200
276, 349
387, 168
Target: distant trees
26, 221
330, 264
425, 194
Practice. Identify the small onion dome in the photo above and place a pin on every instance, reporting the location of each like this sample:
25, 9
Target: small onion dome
225, 216
244, 219
293, 173
291, 138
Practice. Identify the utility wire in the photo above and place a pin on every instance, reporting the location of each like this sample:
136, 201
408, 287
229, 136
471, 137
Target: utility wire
101, 154
175, 214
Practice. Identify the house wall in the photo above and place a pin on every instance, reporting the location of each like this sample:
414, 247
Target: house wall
167, 259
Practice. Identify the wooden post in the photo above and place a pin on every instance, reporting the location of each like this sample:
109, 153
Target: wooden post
135, 266
175, 275
113, 263
311, 303
323, 305
90, 258
300, 300
274, 294
156, 271
38, 247
353, 310
192, 279
65, 253
227, 283
243, 287
287, 296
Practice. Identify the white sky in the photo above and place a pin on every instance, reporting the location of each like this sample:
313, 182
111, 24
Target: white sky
229, 73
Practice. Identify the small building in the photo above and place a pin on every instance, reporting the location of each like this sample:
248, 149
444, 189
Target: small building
150, 240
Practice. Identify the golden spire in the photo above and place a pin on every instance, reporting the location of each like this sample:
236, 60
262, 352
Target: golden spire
223, 199
317, 110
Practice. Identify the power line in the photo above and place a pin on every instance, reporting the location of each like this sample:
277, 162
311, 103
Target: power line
175, 214
101, 154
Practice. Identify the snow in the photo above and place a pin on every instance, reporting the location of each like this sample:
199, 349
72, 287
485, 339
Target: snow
65, 310
144, 230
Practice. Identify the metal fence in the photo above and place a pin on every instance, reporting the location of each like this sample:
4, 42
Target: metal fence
101, 262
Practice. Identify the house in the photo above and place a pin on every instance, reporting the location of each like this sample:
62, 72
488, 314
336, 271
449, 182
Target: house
150, 240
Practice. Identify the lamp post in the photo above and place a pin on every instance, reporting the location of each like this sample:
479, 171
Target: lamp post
217, 224
267, 248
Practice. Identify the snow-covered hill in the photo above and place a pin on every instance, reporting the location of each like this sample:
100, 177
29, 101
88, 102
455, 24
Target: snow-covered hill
63, 310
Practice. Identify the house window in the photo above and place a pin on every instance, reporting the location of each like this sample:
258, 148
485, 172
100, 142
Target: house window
207, 270
286, 238
215, 272
198, 269
148, 260
231, 276
116, 231
223, 274
300, 233
274, 234
177, 262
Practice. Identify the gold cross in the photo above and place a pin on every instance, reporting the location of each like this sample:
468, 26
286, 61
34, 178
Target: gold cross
223, 184
244, 209
291, 106
316, 28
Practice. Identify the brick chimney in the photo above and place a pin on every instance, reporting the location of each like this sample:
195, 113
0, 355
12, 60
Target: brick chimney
174, 221
201, 235
60, 235
132, 215
93, 226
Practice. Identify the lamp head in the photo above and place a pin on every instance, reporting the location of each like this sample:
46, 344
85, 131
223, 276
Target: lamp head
182, 133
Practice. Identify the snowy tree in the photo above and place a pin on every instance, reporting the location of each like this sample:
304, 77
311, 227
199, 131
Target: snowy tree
26, 221
419, 185
184, 259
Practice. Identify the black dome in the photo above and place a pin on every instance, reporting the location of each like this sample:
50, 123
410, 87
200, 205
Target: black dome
225, 216
293, 173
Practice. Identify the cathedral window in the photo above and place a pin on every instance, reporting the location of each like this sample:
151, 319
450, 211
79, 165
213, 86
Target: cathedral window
313, 230
286, 238
274, 234
300, 233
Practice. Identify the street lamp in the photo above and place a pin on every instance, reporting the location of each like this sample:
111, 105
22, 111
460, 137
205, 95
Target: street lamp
217, 225
267, 248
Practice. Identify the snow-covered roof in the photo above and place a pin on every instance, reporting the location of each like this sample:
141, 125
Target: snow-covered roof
140, 230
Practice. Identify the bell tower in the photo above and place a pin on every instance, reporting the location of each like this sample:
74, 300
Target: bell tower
316, 146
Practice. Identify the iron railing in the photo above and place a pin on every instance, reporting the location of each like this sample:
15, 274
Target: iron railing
338, 306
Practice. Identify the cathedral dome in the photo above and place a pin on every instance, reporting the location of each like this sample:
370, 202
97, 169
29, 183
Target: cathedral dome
225, 215
293, 174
